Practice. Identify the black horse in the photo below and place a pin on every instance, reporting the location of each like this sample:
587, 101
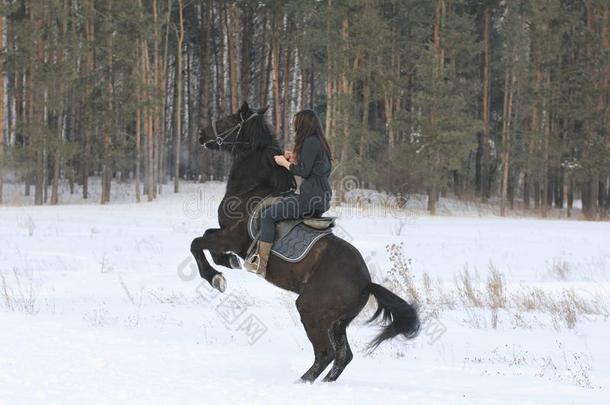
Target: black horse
332, 282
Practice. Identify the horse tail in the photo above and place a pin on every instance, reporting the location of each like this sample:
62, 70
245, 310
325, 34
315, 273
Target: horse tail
402, 316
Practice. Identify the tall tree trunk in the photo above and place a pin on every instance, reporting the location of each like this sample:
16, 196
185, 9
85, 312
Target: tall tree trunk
603, 106
485, 139
589, 188
163, 85
506, 135
232, 27
247, 32
366, 96
219, 53
329, 73
179, 85
61, 114
546, 192
286, 93
147, 130
145, 113
570, 195
264, 91
138, 140
37, 92
302, 99
438, 67
204, 77
89, 110
188, 113
346, 90
534, 128
312, 87
2, 112
107, 126
157, 131
389, 105
57, 160
275, 45
526, 190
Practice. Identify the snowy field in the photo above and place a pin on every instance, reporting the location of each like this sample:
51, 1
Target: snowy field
99, 304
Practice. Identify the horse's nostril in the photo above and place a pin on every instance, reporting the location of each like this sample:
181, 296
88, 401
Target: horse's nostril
201, 140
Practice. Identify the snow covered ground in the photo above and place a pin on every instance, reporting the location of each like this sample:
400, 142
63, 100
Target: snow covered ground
99, 304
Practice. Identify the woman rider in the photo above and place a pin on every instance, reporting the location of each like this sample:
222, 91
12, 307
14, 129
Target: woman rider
311, 161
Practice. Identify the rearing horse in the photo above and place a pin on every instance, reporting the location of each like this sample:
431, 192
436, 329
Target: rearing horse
332, 281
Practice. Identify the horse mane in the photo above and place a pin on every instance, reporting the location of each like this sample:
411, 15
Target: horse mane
263, 143
260, 132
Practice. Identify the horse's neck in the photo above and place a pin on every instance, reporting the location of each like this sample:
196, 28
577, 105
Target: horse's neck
239, 196
242, 191
243, 180
255, 175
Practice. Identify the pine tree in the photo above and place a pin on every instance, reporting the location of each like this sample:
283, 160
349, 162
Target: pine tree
443, 126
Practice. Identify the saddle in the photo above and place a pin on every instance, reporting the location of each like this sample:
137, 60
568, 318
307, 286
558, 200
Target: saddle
294, 238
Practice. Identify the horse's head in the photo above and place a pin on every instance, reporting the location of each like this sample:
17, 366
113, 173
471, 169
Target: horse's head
244, 130
246, 134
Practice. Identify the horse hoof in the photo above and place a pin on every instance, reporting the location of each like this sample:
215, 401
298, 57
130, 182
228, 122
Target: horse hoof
219, 282
234, 262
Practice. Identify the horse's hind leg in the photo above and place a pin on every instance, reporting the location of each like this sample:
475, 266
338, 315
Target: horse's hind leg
343, 353
317, 328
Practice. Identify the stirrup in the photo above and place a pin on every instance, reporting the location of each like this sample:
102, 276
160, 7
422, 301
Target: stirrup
255, 262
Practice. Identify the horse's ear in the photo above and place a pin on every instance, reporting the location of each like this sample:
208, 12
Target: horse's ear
262, 110
245, 108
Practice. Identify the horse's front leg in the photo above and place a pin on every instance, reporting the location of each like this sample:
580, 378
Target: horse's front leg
229, 260
225, 259
214, 241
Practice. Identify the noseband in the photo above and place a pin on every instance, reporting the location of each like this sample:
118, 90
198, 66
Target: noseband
221, 138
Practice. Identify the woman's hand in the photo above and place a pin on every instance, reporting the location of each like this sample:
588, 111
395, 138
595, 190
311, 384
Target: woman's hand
282, 161
290, 156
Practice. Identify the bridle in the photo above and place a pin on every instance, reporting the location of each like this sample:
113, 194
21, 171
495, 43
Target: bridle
221, 138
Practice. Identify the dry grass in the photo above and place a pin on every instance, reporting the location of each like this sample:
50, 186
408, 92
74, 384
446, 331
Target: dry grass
496, 297
491, 298
560, 270
468, 291
566, 307
400, 275
529, 299
19, 291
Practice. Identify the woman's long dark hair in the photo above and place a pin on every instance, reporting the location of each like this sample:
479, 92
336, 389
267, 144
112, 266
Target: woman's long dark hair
306, 124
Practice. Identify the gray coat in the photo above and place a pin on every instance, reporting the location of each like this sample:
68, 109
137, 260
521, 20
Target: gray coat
314, 167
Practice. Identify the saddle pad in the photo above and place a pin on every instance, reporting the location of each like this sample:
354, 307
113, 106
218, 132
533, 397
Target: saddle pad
293, 239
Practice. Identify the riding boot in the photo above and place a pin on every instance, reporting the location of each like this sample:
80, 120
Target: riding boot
257, 263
